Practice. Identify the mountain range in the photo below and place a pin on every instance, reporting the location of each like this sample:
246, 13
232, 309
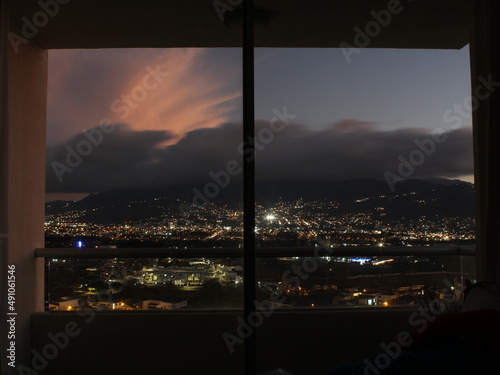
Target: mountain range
411, 199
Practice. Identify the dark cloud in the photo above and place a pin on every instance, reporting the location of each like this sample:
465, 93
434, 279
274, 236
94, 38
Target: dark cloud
102, 159
356, 149
348, 149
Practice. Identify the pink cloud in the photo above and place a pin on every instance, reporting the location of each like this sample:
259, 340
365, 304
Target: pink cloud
191, 92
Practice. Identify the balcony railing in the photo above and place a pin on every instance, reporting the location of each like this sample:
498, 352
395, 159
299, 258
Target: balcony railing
261, 252
299, 277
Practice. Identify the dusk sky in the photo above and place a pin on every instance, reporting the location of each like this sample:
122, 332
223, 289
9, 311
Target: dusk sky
177, 115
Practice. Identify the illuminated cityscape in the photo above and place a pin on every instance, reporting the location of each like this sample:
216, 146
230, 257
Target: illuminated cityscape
177, 283
292, 223
366, 221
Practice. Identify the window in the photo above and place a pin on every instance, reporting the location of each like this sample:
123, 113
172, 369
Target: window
348, 157
74, 30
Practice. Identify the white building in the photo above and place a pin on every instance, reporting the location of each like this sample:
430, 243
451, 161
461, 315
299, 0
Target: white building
367, 299
65, 305
154, 305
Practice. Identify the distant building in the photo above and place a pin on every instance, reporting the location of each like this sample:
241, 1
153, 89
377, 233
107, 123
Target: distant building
99, 305
345, 296
108, 305
384, 297
122, 306
155, 305
65, 304
367, 299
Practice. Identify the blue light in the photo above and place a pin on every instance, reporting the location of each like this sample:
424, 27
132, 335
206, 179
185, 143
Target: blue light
79, 244
361, 260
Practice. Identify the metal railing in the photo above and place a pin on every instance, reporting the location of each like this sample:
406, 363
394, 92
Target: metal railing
260, 252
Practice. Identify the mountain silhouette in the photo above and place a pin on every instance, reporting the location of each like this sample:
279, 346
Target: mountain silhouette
411, 199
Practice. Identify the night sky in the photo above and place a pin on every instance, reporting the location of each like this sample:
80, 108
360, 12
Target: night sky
175, 115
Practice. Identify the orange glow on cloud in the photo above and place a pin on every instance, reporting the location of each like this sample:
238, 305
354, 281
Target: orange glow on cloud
185, 100
84, 84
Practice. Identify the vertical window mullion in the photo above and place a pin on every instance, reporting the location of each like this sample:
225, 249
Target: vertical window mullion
249, 183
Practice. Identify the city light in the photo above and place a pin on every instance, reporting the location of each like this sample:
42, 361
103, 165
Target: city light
341, 280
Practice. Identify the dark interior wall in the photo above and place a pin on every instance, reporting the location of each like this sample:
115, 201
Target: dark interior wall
304, 342
192, 343
141, 343
23, 93
281, 23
